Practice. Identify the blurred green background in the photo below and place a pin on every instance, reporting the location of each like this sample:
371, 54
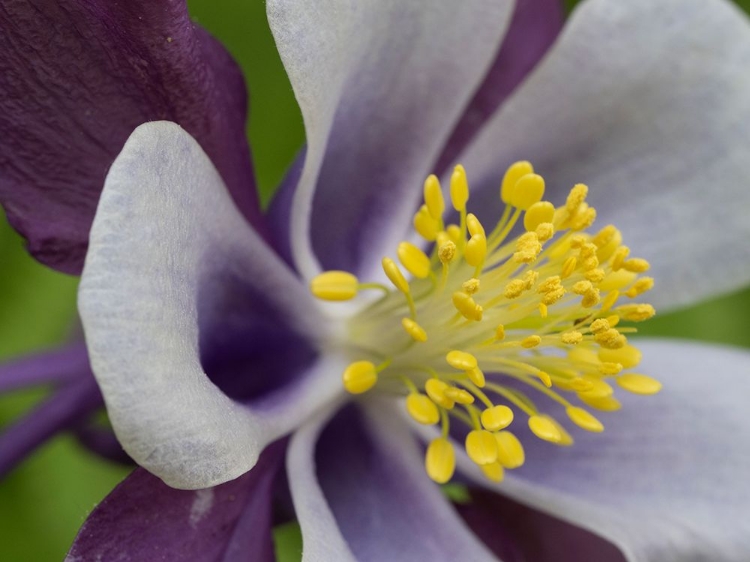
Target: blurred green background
43, 502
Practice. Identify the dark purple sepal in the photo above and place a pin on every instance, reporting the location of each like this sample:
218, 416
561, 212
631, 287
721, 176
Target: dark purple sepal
68, 406
75, 79
144, 519
534, 27
517, 533
57, 366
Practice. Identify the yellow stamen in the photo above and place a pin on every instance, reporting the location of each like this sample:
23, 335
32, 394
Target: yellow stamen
334, 286
422, 409
440, 460
359, 377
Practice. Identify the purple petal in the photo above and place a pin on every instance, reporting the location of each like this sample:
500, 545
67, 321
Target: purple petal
533, 29
103, 442
366, 488
144, 519
68, 405
649, 104
666, 481
518, 533
76, 79
381, 84
58, 366
174, 278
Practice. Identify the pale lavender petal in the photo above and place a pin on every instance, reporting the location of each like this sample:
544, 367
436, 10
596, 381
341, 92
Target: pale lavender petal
534, 27
667, 480
57, 366
172, 264
144, 519
364, 486
67, 406
381, 84
75, 79
648, 103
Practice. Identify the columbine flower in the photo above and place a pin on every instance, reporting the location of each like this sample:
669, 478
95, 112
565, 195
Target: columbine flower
645, 103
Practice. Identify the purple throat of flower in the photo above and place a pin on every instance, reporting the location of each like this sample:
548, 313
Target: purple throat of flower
541, 311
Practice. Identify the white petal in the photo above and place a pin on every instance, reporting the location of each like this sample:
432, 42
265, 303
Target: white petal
381, 84
167, 244
649, 104
667, 480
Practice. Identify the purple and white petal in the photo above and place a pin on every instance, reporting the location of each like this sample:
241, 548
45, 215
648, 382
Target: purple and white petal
649, 104
75, 79
534, 27
172, 264
667, 480
362, 493
144, 519
381, 85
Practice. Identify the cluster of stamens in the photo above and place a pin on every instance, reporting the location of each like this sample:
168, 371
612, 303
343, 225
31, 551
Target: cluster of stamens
541, 311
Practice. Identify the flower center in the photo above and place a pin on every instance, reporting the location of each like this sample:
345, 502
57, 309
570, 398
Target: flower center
539, 313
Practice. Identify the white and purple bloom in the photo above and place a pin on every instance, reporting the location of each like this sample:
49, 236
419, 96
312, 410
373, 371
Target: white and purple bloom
209, 349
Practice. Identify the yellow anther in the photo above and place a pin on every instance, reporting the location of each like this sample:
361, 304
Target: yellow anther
461, 360
545, 378
435, 389
584, 218
577, 241
459, 188
641, 286
580, 384
607, 251
602, 403
514, 172
497, 418
529, 189
573, 337
476, 376
494, 472
595, 275
591, 298
527, 248
334, 286
549, 284
422, 409
476, 250
610, 368
565, 438
467, 307
627, 355
576, 196
619, 257
440, 460
481, 446
425, 225
514, 289
500, 333
610, 300
510, 452
359, 377
475, 227
454, 233
394, 274
470, 286
539, 213
416, 331
569, 266
543, 428
583, 355
599, 325
639, 384
531, 341
543, 311
530, 278
636, 265
433, 197
447, 251
610, 339
597, 389
414, 260
636, 312
604, 236
613, 320
553, 296
545, 231
459, 395
582, 287
584, 419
